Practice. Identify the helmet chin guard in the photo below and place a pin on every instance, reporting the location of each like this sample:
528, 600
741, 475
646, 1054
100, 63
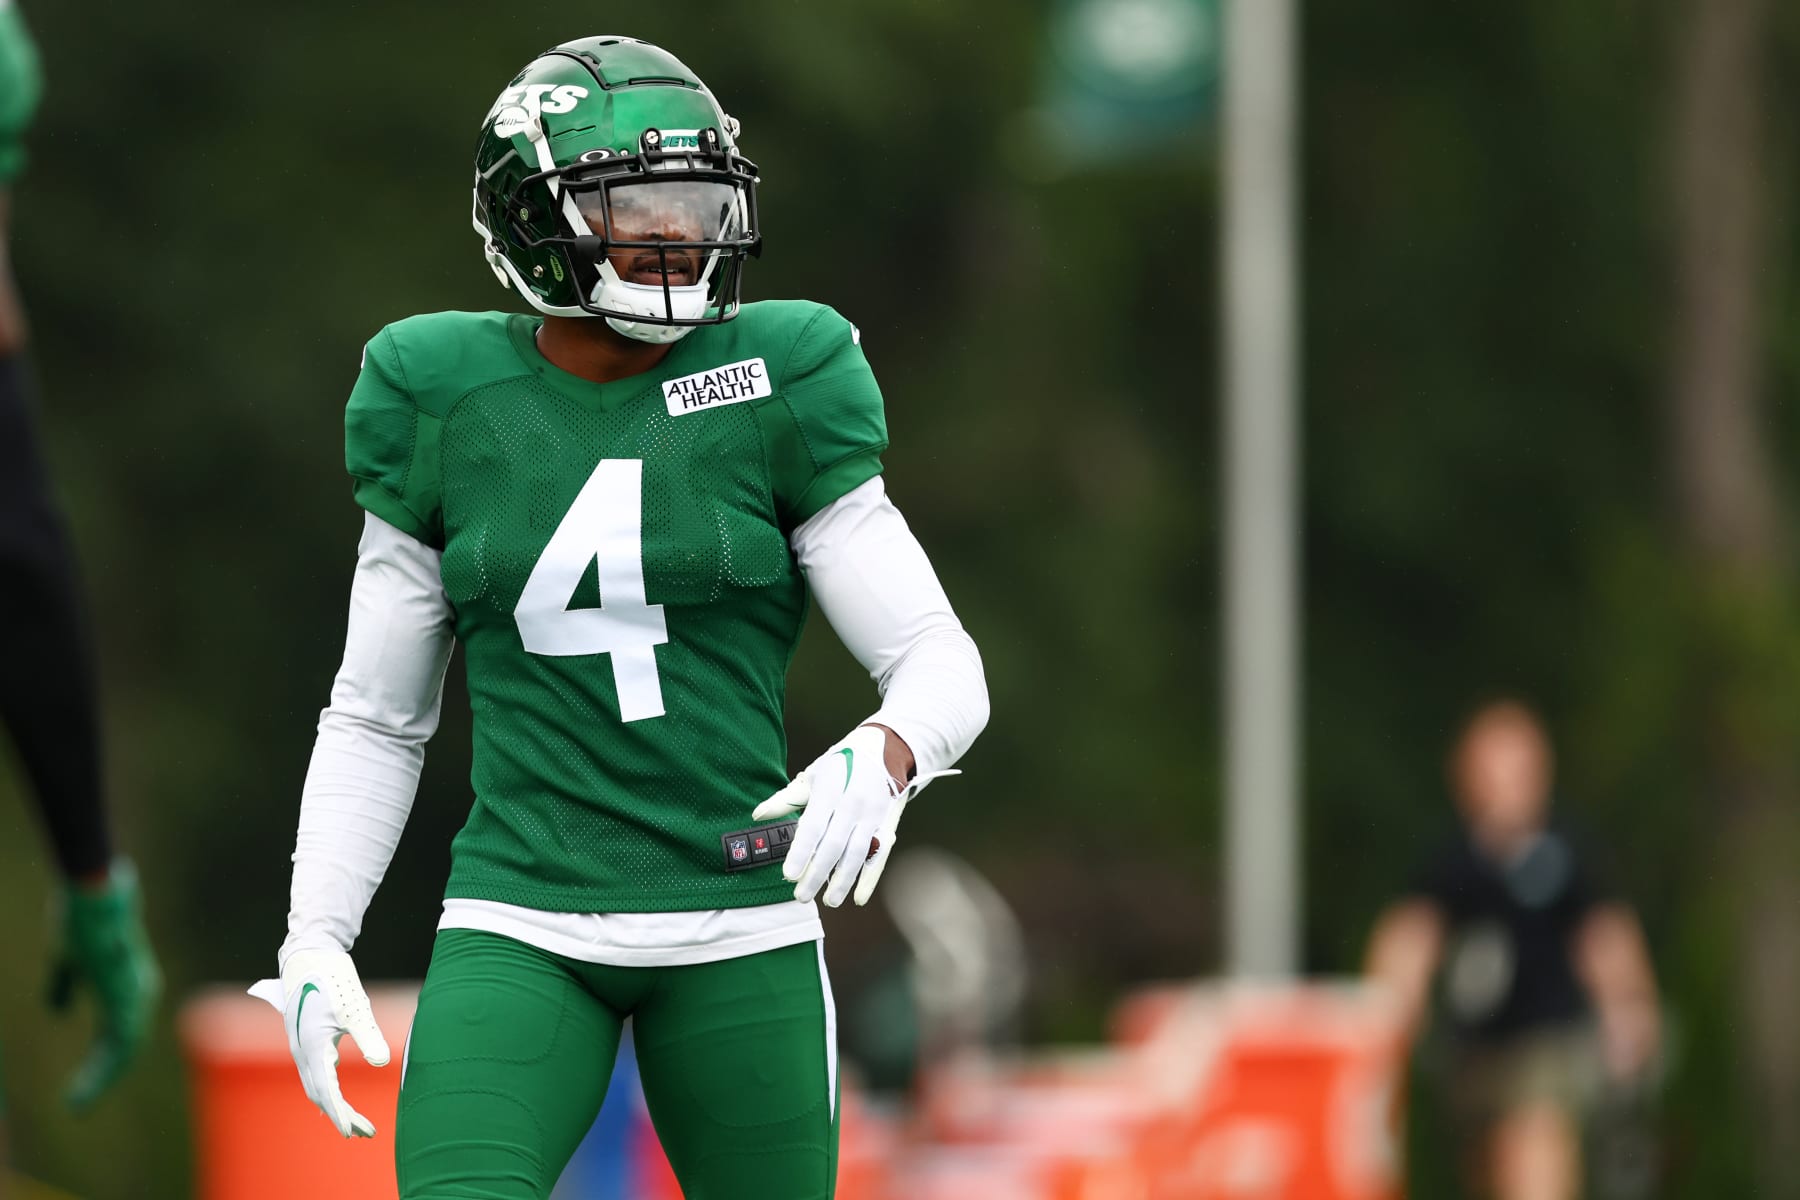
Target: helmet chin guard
685, 303
644, 331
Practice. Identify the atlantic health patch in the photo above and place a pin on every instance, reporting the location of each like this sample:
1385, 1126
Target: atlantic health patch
729, 384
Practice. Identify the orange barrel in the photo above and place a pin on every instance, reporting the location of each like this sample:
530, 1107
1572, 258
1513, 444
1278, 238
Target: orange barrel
1298, 1103
257, 1135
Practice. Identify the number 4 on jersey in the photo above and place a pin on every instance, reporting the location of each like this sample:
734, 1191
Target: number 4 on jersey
606, 523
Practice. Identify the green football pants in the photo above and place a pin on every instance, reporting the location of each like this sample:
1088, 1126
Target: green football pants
512, 1047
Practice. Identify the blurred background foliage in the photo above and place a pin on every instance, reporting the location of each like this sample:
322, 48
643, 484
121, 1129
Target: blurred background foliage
225, 201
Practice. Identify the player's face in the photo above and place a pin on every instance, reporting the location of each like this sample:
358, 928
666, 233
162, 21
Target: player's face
664, 212
1503, 775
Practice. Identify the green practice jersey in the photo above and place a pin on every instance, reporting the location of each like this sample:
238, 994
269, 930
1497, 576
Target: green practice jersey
617, 555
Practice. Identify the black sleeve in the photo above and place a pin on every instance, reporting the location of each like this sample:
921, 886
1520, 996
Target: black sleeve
47, 694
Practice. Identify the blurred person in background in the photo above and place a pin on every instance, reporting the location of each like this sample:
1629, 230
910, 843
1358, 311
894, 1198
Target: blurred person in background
619, 507
1547, 988
48, 700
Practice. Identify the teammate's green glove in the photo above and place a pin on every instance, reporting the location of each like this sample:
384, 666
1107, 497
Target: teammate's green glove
103, 948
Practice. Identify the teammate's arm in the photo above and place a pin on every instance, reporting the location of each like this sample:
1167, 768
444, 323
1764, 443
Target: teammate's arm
47, 693
358, 793
877, 588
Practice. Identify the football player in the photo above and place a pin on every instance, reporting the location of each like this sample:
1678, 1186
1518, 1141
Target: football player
619, 505
47, 700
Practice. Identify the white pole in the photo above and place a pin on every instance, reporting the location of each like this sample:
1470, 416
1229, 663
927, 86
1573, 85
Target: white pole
1262, 829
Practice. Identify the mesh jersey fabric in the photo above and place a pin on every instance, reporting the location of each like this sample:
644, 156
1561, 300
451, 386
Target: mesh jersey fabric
459, 432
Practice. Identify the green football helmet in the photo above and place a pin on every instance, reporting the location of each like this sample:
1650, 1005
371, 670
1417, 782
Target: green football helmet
608, 184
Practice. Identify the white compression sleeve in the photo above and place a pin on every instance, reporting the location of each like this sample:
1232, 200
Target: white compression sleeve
876, 587
371, 744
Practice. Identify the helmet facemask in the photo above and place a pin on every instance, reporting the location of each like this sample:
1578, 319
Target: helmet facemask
656, 240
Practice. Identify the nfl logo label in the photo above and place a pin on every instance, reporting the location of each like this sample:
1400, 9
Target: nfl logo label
739, 850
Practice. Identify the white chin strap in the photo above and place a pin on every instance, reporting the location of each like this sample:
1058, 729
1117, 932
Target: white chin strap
686, 303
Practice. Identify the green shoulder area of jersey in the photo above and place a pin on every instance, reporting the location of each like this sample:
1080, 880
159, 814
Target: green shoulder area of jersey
413, 372
824, 426
799, 363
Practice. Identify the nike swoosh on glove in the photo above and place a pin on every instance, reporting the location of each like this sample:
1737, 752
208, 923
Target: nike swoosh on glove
849, 810
320, 999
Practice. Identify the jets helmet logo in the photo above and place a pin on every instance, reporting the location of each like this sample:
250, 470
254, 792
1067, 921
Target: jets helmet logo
518, 107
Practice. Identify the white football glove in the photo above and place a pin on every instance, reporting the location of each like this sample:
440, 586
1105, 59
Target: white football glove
849, 810
320, 999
